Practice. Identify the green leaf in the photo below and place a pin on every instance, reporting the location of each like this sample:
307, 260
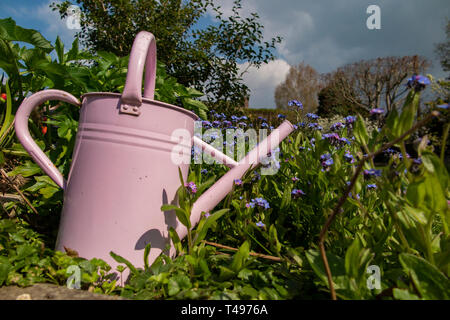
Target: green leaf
434, 165
225, 273
239, 258
195, 93
29, 168
120, 259
416, 192
11, 32
286, 200
352, 258
201, 233
408, 114
49, 191
59, 48
404, 294
274, 242
337, 266
360, 131
429, 281
197, 106
5, 268
175, 240
245, 274
146, 253
182, 215
173, 287
73, 52
392, 124
417, 214
434, 197
24, 251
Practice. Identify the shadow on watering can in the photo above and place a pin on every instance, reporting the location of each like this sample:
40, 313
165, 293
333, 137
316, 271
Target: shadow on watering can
154, 236
122, 169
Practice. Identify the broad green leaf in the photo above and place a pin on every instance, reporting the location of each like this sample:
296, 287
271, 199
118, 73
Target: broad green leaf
49, 191
121, 259
182, 215
35, 187
225, 273
275, 243
352, 258
428, 280
435, 196
392, 124
197, 106
73, 52
194, 92
108, 56
360, 131
201, 233
404, 294
434, 165
175, 240
416, 214
286, 200
416, 192
173, 287
11, 32
408, 114
59, 48
24, 251
240, 257
5, 268
46, 179
337, 266
27, 169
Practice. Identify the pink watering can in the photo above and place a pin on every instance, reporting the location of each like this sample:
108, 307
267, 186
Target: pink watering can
122, 172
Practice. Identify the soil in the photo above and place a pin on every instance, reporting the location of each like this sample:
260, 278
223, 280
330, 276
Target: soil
47, 291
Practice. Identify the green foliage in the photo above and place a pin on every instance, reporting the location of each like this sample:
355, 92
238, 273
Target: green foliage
25, 260
261, 240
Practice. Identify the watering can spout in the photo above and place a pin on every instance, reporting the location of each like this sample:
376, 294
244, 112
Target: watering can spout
217, 192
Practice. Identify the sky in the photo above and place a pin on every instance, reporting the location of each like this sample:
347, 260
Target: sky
325, 34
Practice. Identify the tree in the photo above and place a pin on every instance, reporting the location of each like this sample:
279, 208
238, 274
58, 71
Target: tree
331, 100
375, 83
443, 50
302, 83
206, 59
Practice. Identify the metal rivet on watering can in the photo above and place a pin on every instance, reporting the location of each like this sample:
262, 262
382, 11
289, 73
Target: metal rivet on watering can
106, 207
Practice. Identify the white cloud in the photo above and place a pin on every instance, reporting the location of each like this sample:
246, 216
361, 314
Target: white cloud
262, 82
53, 25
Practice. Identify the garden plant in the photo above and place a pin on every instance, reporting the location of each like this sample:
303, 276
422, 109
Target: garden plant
351, 213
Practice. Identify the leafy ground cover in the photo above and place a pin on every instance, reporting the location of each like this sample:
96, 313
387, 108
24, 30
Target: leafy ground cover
332, 221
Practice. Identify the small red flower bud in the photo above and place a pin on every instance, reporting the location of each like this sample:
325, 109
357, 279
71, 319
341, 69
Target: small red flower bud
44, 130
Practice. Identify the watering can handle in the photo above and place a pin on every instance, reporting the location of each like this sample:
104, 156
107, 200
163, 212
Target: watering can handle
23, 134
142, 53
